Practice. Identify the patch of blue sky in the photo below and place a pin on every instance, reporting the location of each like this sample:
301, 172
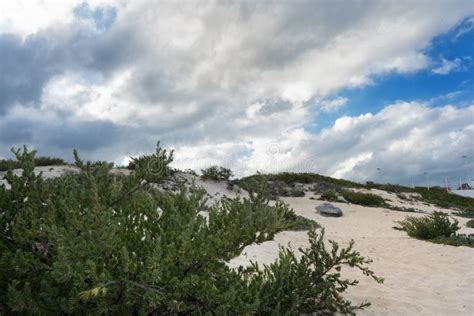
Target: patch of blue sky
454, 86
103, 16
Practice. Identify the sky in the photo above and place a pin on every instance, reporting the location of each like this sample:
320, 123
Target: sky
362, 90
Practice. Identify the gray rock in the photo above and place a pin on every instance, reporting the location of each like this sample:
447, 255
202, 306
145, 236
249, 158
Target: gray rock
327, 209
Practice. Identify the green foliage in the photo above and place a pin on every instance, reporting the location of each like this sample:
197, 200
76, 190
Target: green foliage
309, 285
470, 223
153, 168
366, 199
216, 173
429, 227
93, 243
441, 198
249, 183
330, 196
297, 222
9, 164
457, 240
435, 195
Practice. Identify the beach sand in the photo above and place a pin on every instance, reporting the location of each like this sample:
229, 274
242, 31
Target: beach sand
421, 278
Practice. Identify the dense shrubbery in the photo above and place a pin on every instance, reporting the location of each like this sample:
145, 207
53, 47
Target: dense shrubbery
470, 223
273, 188
441, 198
249, 183
435, 195
436, 228
10, 164
297, 222
366, 199
457, 240
216, 173
330, 196
92, 243
429, 227
153, 168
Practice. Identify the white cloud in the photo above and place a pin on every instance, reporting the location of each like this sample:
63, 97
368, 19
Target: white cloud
222, 82
333, 104
447, 66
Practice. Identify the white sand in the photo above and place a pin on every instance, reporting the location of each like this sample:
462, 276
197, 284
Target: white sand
421, 278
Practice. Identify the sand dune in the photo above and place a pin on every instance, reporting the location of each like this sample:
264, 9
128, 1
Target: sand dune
421, 278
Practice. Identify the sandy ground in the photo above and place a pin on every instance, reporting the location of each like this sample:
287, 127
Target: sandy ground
421, 278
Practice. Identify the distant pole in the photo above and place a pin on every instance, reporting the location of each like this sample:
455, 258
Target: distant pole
446, 184
427, 180
466, 165
380, 176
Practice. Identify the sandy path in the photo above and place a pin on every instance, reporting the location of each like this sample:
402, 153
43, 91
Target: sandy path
421, 278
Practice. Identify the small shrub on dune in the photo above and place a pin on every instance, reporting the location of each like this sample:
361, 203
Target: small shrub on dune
155, 167
42, 161
216, 173
470, 223
429, 227
436, 228
365, 199
330, 196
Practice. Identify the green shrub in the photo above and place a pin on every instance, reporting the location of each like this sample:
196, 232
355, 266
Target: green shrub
39, 162
470, 223
429, 227
250, 183
155, 167
294, 192
457, 240
366, 199
330, 196
216, 173
297, 222
92, 243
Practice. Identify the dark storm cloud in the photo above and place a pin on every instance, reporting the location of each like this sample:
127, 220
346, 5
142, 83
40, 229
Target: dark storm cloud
87, 136
14, 132
25, 66
63, 135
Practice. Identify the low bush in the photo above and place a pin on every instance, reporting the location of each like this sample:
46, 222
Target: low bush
216, 173
330, 196
429, 227
458, 240
289, 178
8, 164
366, 199
296, 222
153, 168
470, 223
91, 243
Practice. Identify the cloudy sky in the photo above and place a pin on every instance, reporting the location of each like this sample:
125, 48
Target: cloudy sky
364, 90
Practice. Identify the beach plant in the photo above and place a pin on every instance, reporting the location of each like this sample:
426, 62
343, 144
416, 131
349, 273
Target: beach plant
432, 226
330, 196
42, 161
365, 199
155, 167
93, 243
216, 173
470, 223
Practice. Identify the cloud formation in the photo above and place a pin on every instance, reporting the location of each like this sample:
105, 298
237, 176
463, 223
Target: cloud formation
222, 82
